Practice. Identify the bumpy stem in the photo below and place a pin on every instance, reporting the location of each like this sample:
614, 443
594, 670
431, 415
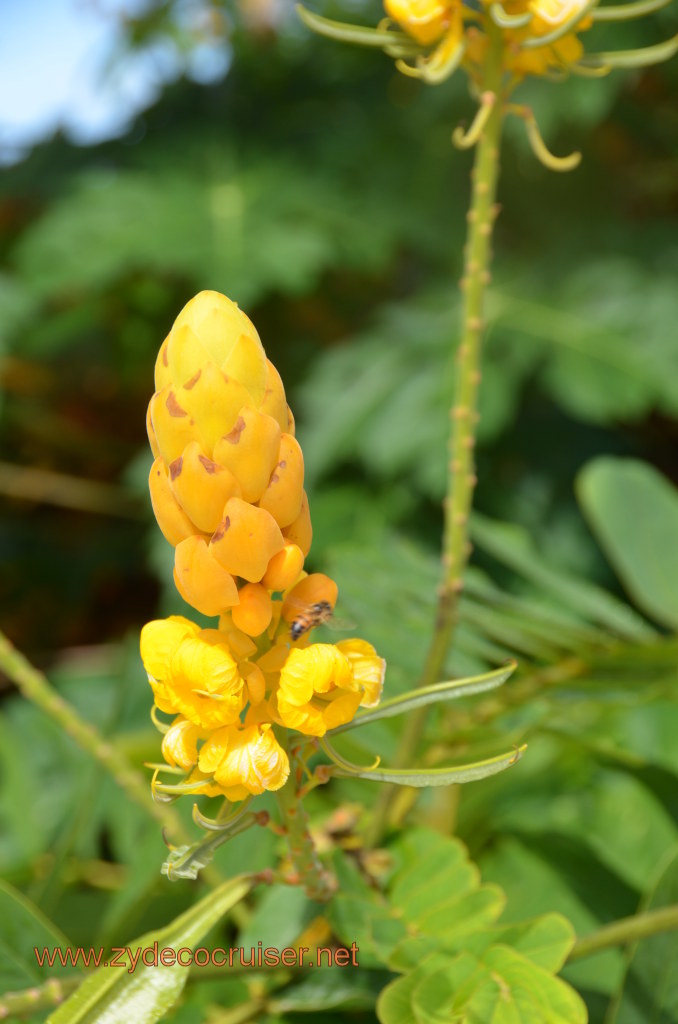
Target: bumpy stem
461, 478
319, 883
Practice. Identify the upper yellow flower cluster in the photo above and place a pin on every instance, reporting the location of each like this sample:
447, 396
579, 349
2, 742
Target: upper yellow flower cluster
227, 481
457, 30
227, 491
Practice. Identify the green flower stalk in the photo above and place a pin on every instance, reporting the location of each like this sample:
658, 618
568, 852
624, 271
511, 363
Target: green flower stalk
497, 44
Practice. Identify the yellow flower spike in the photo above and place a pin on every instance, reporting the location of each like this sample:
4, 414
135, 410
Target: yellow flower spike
202, 487
173, 425
214, 400
180, 744
218, 322
253, 613
274, 402
246, 540
284, 568
300, 532
291, 422
283, 496
159, 640
249, 759
317, 690
201, 580
368, 669
172, 520
250, 451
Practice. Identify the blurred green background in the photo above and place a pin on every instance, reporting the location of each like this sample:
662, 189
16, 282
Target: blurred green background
319, 189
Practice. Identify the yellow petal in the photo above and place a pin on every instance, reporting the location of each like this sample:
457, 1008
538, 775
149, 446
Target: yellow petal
152, 440
160, 639
250, 451
254, 681
274, 402
173, 425
214, 749
254, 759
284, 568
243, 646
201, 580
162, 370
172, 520
254, 611
214, 401
246, 363
201, 487
284, 493
180, 744
205, 684
300, 532
368, 669
185, 354
246, 540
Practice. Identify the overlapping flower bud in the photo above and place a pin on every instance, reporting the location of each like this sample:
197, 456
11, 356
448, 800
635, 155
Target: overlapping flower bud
227, 491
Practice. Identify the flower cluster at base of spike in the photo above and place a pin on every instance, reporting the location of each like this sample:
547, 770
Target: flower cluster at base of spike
227, 491
228, 696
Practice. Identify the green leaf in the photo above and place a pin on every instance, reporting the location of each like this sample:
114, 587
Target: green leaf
633, 511
437, 693
650, 989
23, 928
332, 986
512, 546
144, 993
424, 777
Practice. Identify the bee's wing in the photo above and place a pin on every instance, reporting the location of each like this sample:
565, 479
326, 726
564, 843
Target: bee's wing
339, 625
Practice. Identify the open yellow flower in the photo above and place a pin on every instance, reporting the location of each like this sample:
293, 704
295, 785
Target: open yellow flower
323, 686
244, 761
192, 672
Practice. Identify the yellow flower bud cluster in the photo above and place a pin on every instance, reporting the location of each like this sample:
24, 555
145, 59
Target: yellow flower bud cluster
227, 491
227, 481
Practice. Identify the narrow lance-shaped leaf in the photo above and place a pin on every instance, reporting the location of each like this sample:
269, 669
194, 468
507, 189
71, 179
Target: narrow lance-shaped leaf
642, 57
362, 35
438, 692
141, 992
422, 777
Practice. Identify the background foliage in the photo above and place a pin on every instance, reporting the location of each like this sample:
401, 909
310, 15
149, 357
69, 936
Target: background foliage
319, 189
